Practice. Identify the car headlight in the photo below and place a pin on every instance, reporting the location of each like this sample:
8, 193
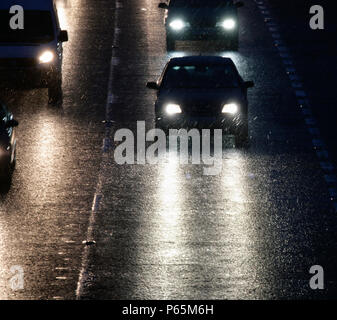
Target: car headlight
46, 57
228, 24
172, 108
177, 24
231, 108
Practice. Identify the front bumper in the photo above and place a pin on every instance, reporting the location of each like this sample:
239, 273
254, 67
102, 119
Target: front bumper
33, 76
225, 122
213, 33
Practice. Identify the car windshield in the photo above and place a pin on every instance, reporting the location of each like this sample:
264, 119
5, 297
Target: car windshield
200, 3
201, 76
38, 28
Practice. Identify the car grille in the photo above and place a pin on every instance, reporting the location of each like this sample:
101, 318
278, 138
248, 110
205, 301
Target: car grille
17, 62
201, 110
204, 23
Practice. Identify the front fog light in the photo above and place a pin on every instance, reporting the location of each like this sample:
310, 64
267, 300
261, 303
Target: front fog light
228, 24
46, 57
177, 24
172, 108
231, 108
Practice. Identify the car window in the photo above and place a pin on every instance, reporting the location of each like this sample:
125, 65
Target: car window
38, 28
200, 3
201, 76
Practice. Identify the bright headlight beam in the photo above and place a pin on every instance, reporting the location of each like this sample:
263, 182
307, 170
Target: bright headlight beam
229, 24
172, 108
231, 108
46, 57
177, 24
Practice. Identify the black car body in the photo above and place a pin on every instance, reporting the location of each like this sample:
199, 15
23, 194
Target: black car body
202, 92
32, 56
202, 20
7, 142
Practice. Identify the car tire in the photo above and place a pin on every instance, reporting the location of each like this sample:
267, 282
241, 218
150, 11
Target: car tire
170, 43
6, 176
242, 136
55, 93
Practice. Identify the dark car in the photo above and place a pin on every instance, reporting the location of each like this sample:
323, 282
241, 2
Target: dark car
202, 92
32, 56
200, 20
7, 142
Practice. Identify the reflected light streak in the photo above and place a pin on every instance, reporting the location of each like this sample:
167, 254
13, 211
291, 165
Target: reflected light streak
169, 191
46, 160
238, 222
62, 6
169, 220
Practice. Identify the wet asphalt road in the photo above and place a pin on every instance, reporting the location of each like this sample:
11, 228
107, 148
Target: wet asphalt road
167, 231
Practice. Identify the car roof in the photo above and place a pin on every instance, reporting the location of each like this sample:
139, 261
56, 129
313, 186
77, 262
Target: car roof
28, 4
201, 60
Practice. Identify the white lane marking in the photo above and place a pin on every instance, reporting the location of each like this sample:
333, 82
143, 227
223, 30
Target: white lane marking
314, 131
297, 85
285, 55
330, 178
306, 111
317, 143
327, 166
276, 35
96, 203
301, 96
294, 77
310, 121
333, 193
291, 70
300, 93
84, 275
322, 154
106, 145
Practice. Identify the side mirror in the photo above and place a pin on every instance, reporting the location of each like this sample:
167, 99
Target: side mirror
11, 124
152, 85
249, 84
162, 5
239, 4
63, 36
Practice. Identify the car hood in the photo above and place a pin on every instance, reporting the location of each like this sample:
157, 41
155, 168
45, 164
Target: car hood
22, 50
198, 99
199, 14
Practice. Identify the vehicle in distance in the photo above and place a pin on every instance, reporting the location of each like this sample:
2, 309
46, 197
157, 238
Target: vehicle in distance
202, 20
32, 56
7, 143
202, 92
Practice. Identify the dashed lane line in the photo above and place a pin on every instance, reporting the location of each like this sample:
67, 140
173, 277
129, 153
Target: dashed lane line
303, 101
